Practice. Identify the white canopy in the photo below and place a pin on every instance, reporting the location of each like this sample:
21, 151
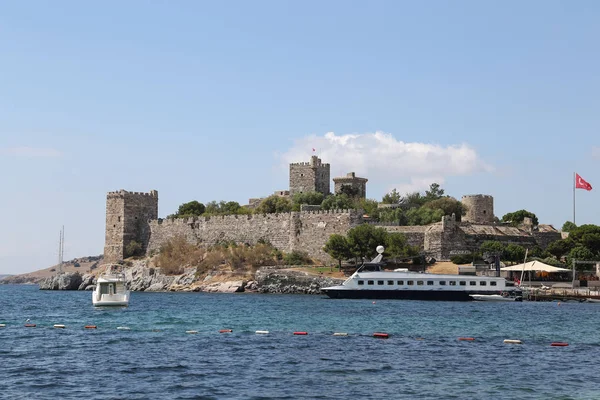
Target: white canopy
534, 266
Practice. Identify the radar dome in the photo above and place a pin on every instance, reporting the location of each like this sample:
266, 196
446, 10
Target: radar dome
380, 249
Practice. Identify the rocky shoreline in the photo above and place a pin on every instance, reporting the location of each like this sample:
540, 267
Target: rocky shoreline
142, 278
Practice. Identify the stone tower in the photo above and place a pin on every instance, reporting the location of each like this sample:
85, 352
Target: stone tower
480, 209
127, 216
312, 176
355, 184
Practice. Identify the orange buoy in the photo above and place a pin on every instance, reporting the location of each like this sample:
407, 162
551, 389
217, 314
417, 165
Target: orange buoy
469, 339
225, 330
90, 327
559, 344
29, 325
300, 333
381, 335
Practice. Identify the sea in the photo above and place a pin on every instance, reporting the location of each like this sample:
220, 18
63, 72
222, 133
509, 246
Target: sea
146, 350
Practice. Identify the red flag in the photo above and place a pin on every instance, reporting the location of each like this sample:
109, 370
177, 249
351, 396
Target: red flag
314, 149
580, 183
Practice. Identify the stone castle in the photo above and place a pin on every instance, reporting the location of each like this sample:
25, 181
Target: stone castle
133, 216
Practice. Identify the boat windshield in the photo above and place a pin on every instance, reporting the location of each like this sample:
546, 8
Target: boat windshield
370, 267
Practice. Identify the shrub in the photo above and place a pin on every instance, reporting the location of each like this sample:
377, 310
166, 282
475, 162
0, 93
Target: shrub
296, 258
176, 254
133, 249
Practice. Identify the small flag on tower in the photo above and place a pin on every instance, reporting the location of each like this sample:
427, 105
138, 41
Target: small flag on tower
314, 150
580, 183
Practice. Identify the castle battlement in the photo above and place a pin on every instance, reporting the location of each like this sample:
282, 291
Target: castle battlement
309, 164
122, 193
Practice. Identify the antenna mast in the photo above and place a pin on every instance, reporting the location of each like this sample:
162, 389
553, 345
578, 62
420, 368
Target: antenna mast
61, 248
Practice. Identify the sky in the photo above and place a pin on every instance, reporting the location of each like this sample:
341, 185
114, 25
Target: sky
211, 100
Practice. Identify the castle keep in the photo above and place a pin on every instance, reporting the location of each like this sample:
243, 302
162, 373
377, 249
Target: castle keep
312, 176
127, 220
133, 217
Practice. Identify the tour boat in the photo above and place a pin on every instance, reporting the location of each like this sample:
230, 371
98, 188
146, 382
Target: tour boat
371, 281
110, 291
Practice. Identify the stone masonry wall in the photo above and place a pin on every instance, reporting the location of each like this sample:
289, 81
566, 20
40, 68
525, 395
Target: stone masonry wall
307, 231
480, 209
415, 235
310, 176
127, 216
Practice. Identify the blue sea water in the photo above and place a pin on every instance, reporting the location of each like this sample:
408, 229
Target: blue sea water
421, 359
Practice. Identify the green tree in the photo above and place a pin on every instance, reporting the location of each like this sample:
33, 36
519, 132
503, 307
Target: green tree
364, 239
448, 205
492, 247
274, 204
392, 197
412, 200
514, 253
560, 248
337, 202
338, 248
190, 209
581, 253
369, 206
435, 192
311, 198
349, 191
516, 218
396, 246
423, 216
396, 215
568, 226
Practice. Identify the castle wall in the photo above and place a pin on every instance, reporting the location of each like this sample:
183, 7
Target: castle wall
415, 235
305, 231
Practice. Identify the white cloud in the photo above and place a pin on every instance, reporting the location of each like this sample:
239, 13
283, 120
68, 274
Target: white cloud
387, 161
24, 151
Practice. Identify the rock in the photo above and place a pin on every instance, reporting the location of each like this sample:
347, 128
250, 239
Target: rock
224, 287
292, 282
64, 281
86, 281
156, 287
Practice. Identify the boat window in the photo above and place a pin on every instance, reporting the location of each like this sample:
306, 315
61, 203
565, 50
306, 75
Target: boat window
380, 282
482, 283
429, 283
370, 282
472, 283
493, 283
410, 282
390, 282
463, 283
442, 283
419, 282
361, 282
452, 283
400, 282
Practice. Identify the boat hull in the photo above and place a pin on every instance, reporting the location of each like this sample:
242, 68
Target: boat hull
487, 297
438, 295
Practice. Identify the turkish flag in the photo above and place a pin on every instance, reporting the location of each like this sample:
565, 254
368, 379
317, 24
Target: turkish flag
580, 183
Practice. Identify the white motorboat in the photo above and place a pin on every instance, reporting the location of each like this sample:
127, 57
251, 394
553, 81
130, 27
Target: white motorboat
505, 296
111, 291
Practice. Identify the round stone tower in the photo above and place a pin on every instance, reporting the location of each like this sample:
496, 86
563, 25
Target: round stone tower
480, 208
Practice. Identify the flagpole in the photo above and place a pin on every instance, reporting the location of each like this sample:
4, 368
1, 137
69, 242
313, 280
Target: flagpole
574, 197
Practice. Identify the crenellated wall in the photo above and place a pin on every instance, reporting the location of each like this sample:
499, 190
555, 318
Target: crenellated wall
306, 231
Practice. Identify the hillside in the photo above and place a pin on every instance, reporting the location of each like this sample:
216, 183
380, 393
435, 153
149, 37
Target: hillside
82, 265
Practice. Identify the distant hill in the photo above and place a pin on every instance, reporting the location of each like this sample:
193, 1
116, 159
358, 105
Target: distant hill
83, 265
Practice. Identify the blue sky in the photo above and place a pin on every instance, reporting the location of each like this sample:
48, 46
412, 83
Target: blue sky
211, 100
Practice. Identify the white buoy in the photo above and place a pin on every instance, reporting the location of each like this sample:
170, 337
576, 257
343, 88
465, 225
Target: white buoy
59, 326
262, 332
340, 334
123, 328
191, 331
512, 341
2, 325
